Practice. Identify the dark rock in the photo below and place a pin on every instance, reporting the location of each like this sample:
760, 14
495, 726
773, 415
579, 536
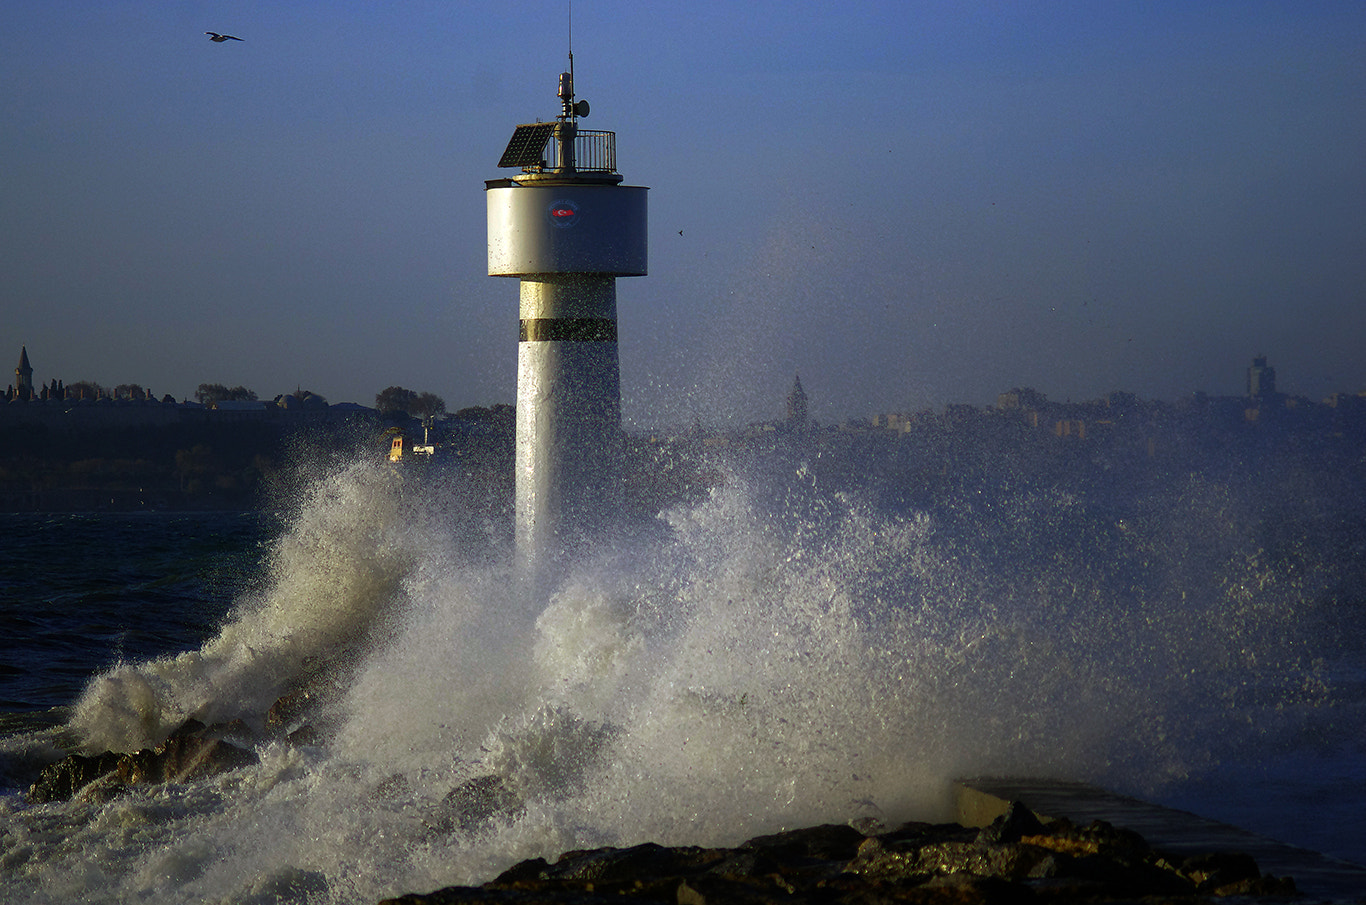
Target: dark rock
64, 779
179, 758
309, 734
479, 895
931, 864
1216, 869
915, 832
745, 865
1006, 861
522, 872
881, 860
1017, 822
237, 732
395, 786
288, 884
713, 890
1098, 837
290, 710
185, 759
1232, 874
191, 726
471, 805
688, 895
826, 842
966, 889
104, 790
614, 865
1258, 886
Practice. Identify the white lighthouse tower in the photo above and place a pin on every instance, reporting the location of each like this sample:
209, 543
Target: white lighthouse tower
567, 228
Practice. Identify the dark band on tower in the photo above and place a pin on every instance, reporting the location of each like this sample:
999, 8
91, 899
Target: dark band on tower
568, 329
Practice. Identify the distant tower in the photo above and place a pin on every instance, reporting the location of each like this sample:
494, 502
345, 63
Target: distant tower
796, 404
1261, 380
567, 228
23, 376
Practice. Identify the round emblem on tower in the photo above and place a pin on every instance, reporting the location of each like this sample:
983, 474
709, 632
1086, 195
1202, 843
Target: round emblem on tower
563, 213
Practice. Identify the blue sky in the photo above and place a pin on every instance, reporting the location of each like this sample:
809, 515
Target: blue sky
909, 203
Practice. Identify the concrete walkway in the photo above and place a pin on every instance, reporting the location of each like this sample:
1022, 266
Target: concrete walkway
1319, 878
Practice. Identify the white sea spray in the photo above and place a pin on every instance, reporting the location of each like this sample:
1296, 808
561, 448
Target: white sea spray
776, 655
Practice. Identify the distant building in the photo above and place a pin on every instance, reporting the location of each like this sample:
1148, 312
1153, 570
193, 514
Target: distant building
1261, 379
796, 404
901, 422
23, 377
1070, 427
1021, 398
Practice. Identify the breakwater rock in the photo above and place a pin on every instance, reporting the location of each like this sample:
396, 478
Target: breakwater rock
1016, 859
190, 753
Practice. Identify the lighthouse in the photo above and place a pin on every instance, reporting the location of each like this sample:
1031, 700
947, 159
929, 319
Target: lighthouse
566, 227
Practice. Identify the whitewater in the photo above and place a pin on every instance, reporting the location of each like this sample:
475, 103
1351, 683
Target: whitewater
778, 651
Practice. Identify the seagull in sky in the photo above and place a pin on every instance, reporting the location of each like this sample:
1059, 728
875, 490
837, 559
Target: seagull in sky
216, 38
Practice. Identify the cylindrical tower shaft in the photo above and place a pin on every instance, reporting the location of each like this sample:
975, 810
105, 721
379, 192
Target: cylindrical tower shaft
568, 417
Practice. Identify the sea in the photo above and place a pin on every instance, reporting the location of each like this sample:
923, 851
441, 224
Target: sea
792, 644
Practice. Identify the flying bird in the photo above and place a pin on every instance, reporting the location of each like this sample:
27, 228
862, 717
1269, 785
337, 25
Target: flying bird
216, 38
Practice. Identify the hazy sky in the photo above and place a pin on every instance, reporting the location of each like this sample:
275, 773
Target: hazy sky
910, 203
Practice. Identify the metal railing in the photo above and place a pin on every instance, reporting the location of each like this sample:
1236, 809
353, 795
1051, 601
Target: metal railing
594, 152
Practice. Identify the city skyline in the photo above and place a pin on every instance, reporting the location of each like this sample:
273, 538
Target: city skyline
912, 205
1259, 383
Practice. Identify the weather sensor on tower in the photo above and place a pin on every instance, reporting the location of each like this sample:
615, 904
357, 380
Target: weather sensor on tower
567, 228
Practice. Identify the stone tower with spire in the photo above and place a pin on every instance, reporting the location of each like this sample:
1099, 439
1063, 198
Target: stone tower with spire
23, 377
796, 404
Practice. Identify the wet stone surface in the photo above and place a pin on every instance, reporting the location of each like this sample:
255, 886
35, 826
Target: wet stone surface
184, 756
1015, 859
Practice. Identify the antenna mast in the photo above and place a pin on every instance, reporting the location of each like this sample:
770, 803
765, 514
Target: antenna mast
570, 110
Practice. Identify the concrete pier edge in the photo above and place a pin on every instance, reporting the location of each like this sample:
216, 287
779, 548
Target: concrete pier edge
979, 800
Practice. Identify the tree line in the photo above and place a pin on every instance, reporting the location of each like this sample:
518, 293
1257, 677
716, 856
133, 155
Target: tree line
397, 400
391, 401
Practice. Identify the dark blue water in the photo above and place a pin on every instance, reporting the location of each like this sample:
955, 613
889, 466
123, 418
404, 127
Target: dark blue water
82, 592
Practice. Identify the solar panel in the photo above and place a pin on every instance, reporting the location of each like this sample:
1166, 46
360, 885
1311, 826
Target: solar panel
525, 147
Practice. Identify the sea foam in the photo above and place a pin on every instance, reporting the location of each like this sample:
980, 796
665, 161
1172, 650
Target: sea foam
772, 656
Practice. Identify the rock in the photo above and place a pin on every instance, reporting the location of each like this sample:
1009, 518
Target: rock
310, 735
287, 884
931, 864
395, 786
102, 776
471, 805
1259, 886
237, 732
523, 872
829, 842
64, 779
688, 896
290, 710
305, 716
1007, 861
191, 726
183, 758
745, 866
608, 866
1017, 822
1217, 869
